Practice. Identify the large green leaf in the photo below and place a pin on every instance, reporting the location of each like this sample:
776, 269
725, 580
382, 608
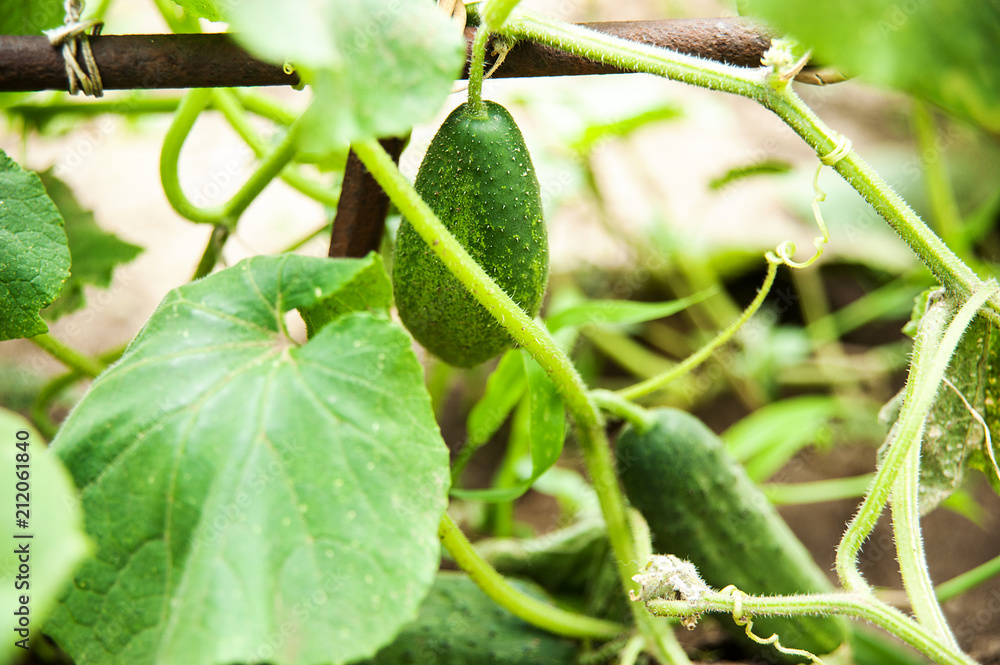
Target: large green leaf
377, 67
95, 253
254, 500
52, 533
34, 256
942, 50
30, 17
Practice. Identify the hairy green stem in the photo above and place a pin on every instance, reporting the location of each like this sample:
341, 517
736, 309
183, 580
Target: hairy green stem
929, 336
518, 603
476, 73
932, 352
495, 12
537, 341
701, 355
68, 356
946, 266
617, 405
757, 84
522, 328
857, 606
910, 549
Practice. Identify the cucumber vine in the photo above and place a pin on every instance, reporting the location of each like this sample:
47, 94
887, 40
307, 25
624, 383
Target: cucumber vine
948, 315
771, 89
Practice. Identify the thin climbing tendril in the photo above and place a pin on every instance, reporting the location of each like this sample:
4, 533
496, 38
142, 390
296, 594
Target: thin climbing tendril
747, 623
784, 251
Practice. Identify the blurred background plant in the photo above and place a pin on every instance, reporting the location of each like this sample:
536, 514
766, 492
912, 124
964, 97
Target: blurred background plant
654, 192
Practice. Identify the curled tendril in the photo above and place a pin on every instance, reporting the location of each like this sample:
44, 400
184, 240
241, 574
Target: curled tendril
841, 150
783, 253
747, 623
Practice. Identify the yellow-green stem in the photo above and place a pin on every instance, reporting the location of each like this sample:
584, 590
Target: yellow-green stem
68, 356
857, 606
476, 65
538, 342
701, 355
913, 564
518, 603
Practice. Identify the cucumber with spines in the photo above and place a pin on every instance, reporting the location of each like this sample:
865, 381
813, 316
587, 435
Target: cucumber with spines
702, 506
478, 179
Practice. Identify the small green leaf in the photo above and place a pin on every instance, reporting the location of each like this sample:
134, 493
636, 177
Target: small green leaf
619, 312
503, 391
377, 67
548, 418
597, 133
30, 17
766, 167
34, 256
368, 290
281, 501
53, 520
770, 436
938, 49
95, 253
547, 433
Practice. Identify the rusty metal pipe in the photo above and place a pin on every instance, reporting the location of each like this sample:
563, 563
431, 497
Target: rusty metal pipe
131, 62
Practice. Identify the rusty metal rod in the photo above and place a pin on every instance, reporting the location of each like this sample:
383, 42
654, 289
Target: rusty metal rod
130, 62
360, 219
734, 41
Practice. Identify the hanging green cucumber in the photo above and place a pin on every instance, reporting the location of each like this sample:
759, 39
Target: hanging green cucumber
701, 506
478, 179
458, 624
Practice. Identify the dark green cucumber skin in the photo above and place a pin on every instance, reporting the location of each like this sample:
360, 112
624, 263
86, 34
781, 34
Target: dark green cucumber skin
701, 506
459, 625
478, 178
